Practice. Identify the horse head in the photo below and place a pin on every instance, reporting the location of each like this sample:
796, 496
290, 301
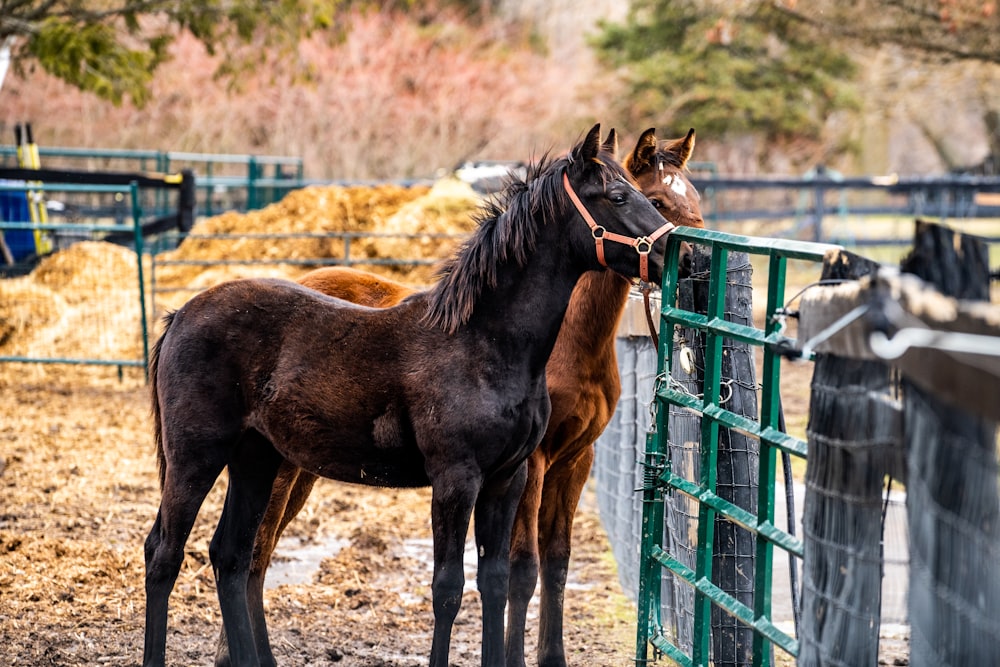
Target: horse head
627, 233
660, 169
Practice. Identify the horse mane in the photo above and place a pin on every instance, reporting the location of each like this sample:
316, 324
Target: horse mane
506, 231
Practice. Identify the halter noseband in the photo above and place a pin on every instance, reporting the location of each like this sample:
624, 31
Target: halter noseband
643, 244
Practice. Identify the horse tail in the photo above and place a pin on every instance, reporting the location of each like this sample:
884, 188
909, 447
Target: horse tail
154, 365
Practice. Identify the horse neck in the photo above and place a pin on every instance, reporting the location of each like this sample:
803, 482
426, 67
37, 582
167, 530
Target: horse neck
534, 306
523, 311
594, 310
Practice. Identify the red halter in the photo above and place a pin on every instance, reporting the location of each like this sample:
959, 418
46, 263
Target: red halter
643, 244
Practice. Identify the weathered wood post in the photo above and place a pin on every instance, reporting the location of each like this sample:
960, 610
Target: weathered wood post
952, 500
853, 433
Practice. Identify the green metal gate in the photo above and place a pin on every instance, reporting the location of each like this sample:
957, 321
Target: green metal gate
66, 234
660, 480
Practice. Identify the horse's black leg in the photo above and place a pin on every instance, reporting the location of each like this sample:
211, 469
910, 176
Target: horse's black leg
561, 491
523, 562
495, 509
288, 496
251, 474
184, 489
451, 509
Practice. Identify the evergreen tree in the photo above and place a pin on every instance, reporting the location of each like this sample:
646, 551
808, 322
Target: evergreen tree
727, 67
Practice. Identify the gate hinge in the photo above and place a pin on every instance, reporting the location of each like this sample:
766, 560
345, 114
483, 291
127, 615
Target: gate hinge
653, 467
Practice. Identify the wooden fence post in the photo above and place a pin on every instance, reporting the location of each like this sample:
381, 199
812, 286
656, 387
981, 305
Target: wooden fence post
851, 439
952, 498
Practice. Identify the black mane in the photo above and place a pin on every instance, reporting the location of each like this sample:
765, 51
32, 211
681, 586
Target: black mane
506, 231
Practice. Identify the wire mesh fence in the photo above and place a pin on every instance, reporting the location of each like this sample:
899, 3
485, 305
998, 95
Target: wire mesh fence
923, 423
952, 477
616, 470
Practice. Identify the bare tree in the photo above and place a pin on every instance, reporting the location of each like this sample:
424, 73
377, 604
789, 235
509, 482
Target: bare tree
961, 29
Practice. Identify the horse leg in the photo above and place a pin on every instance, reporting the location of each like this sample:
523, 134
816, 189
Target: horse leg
251, 475
561, 492
184, 489
524, 560
495, 510
264, 549
453, 496
290, 491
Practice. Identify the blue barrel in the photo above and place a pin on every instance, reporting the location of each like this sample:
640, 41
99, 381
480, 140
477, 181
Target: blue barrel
14, 208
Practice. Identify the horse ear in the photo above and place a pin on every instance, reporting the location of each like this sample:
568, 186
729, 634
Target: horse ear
642, 155
680, 149
611, 143
687, 148
591, 146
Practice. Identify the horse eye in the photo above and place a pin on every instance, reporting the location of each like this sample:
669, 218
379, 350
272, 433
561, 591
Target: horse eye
656, 203
617, 198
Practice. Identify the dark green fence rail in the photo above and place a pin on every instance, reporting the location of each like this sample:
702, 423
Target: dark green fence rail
660, 481
224, 181
824, 206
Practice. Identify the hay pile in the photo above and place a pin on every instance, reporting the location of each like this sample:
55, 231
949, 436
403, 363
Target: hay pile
82, 301
445, 208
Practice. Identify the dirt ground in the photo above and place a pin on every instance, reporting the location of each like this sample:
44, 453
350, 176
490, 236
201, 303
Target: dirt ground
78, 494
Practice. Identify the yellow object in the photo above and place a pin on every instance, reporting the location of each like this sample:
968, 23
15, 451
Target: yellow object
28, 158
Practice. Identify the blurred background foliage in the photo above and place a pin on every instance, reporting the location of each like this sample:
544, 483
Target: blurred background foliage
407, 88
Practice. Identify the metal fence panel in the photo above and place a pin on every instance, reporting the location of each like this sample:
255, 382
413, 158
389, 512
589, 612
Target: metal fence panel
663, 480
49, 324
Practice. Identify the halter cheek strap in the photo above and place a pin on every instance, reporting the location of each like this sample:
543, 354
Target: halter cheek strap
643, 244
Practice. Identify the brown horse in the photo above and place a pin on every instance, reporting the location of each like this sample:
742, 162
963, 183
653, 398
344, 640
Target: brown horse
583, 385
446, 389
